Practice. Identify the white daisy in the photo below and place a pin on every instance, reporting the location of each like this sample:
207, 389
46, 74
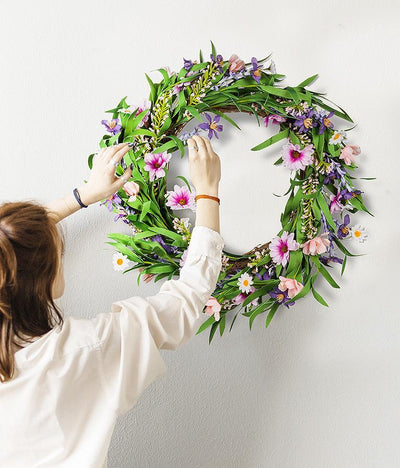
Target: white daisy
358, 232
337, 137
120, 261
244, 282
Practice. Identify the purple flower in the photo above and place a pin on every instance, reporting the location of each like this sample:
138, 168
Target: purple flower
212, 125
109, 201
346, 194
305, 121
327, 260
188, 64
168, 248
343, 229
324, 122
219, 61
281, 297
114, 126
256, 72
266, 276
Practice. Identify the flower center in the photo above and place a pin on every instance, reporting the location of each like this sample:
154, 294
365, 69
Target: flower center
157, 164
295, 154
112, 124
182, 201
345, 229
213, 125
119, 261
246, 282
357, 233
257, 72
326, 122
284, 249
308, 122
336, 136
280, 297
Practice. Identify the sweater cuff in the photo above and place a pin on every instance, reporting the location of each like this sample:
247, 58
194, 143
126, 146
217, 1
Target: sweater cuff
205, 240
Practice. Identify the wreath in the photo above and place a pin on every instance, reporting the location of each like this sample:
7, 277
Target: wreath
274, 274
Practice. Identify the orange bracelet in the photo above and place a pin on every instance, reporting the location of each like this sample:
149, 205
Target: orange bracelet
207, 196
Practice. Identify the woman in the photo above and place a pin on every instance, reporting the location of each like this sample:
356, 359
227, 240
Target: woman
65, 380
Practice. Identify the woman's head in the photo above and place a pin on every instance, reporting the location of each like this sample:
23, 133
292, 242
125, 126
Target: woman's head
31, 275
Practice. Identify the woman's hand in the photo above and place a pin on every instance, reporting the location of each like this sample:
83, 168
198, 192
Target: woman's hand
103, 182
204, 165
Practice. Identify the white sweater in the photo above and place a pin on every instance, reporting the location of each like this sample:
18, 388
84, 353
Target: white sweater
72, 383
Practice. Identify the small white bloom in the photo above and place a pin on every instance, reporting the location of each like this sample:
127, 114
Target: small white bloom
120, 261
337, 137
358, 232
244, 282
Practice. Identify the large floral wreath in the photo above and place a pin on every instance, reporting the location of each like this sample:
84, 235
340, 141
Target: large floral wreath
283, 269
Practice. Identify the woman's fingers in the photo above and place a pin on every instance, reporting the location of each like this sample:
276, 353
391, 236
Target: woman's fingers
114, 152
200, 143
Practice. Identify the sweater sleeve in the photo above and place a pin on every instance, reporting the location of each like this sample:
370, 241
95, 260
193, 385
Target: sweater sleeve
131, 335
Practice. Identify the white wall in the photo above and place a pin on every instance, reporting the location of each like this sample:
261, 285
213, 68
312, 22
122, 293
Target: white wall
320, 387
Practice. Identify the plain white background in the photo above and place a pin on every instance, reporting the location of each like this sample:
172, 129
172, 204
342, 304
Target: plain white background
320, 386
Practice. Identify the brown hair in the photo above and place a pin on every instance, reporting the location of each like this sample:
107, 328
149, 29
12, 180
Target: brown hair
29, 262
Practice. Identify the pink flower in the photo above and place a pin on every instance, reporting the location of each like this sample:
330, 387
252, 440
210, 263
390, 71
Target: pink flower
180, 198
131, 188
236, 63
274, 119
155, 162
348, 153
240, 298
317, 245
296, 158
335, 205
143, 104
291, 285
280, 247
213, 307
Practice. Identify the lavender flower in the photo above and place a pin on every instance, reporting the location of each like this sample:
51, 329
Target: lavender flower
281, 297
256, 72
218, 61
343, 229
305, 122
188, 64
113, 127
212, 125
324, 121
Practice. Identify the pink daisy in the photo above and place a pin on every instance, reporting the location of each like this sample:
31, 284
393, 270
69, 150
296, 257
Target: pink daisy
180, 198
296, 158
155, 162
280, 247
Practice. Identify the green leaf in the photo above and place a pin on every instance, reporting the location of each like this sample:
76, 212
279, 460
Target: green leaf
307, 81
325, 209
170, 234
213, 51
201, 56
206, 324
165, 75
166, 146
194, 112
295, 260
294, 94
261, 291
152, 89
133, 121
343, 248
343, 265
213, 330
146, 208
186, 182
275, 138
222, 324
224, 116
319, 298
90, 160
257, 311
324, 272
271, 313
